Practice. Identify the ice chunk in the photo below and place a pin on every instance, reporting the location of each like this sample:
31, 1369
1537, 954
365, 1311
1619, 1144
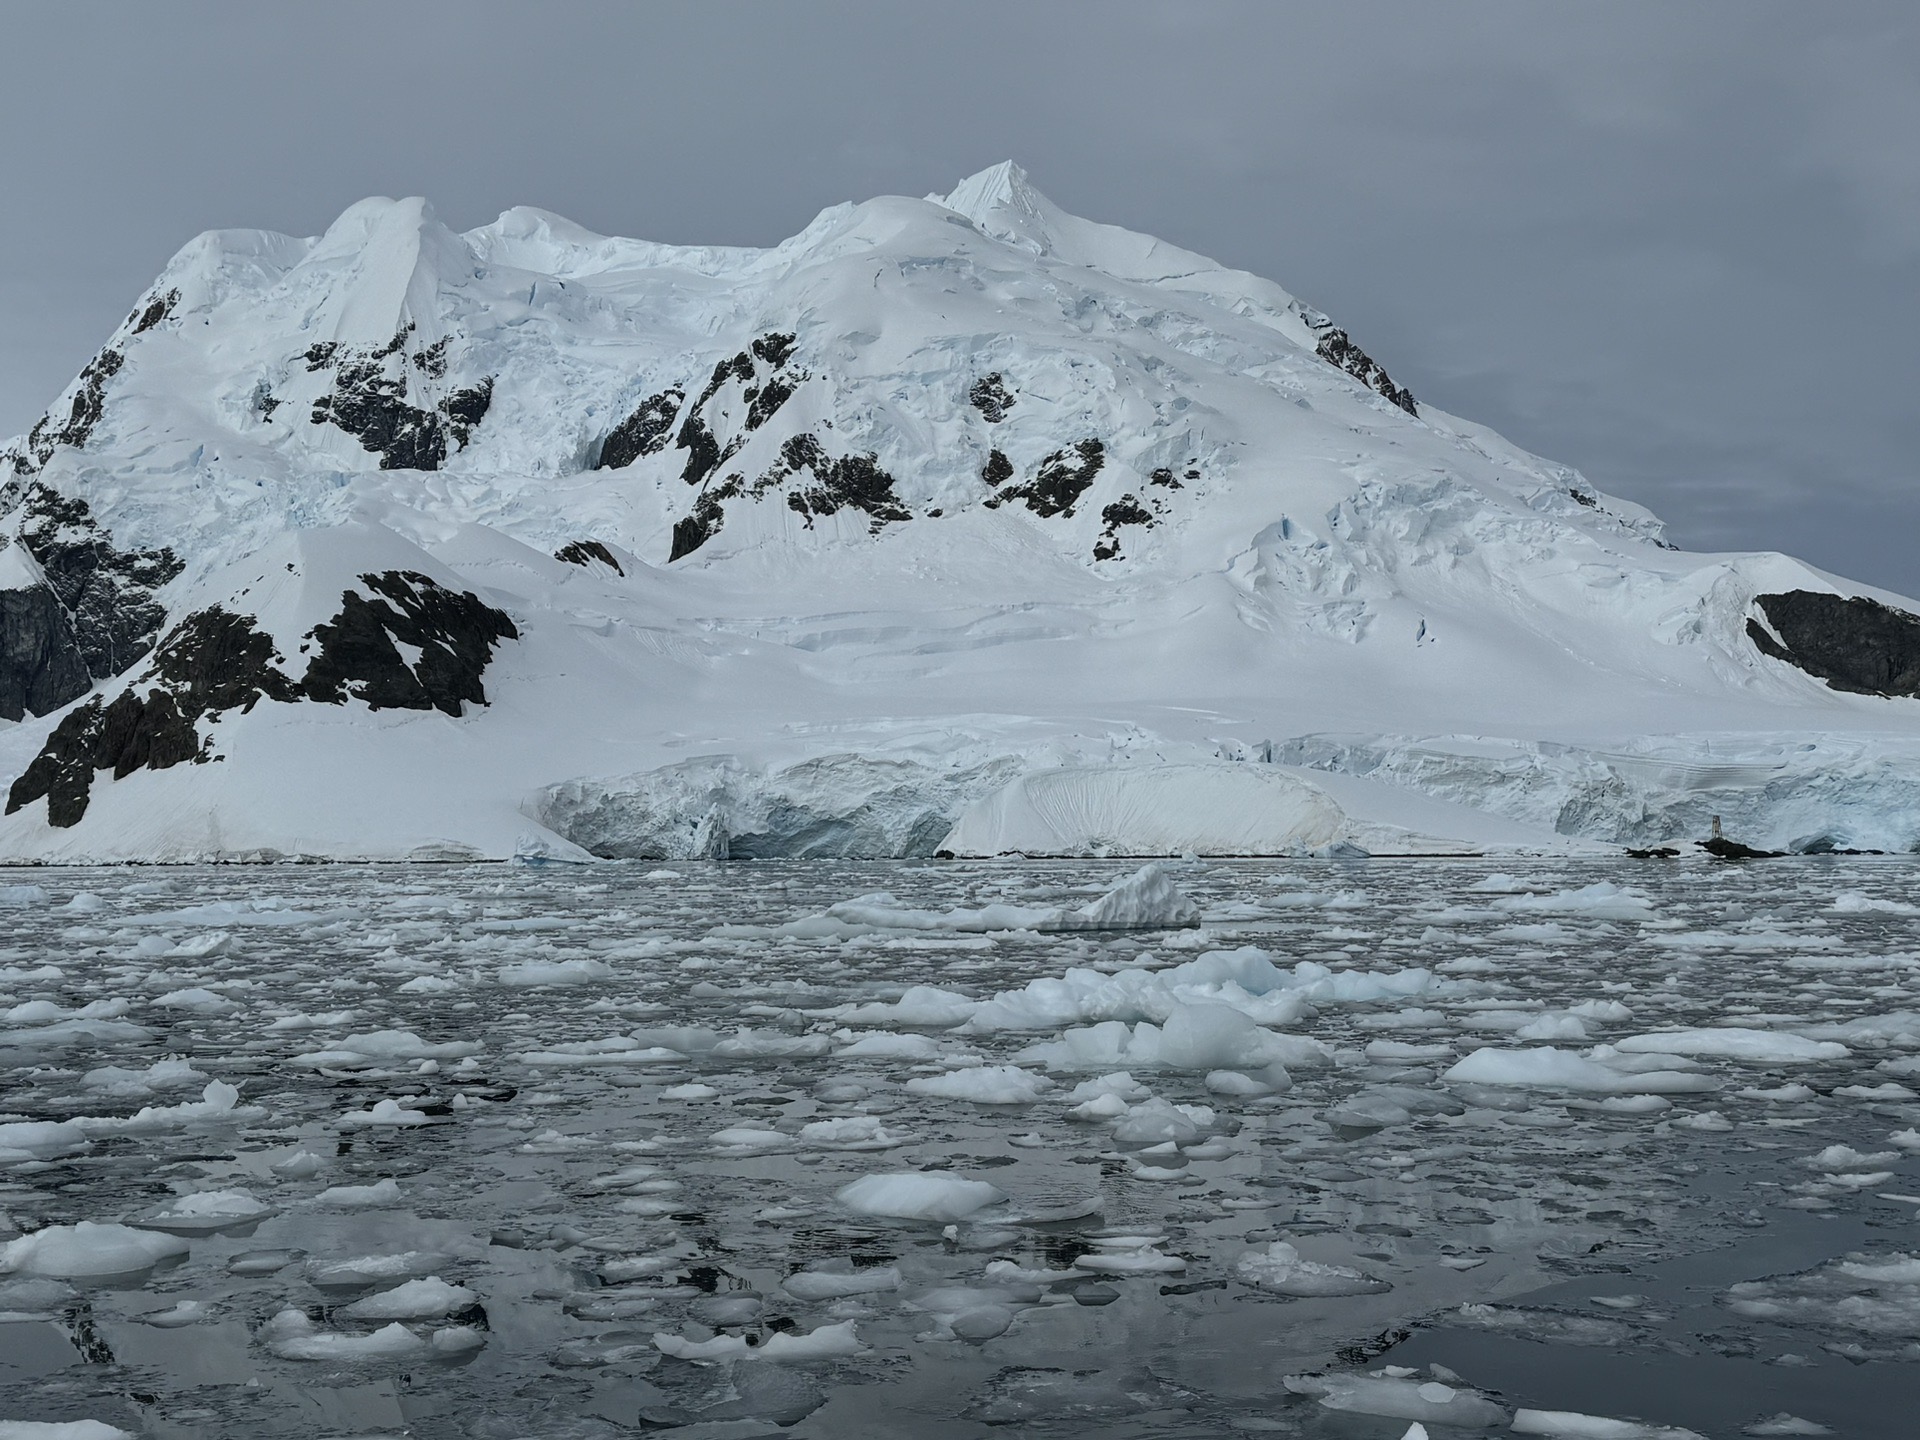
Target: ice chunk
206, 1211
60, 1429
1734, 1043
71, 1251
1601, 901
1395, 1398
361, 1197
384, 1047
1571, 1425
827, 1342
28, 1140
386, 1112
428, 1298
918, 1195
984, 1085
1147, 898
1280, 1269
292, 1336
826, 1283
1785, 1423
852, 1132
1548, 1068
578, 971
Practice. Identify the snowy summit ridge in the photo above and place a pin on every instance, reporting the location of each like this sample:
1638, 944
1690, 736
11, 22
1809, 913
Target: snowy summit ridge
948, 522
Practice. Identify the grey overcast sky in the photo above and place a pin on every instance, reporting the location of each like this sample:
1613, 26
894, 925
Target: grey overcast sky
1675, 245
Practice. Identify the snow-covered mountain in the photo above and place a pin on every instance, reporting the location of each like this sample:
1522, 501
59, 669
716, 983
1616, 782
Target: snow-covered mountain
957, 522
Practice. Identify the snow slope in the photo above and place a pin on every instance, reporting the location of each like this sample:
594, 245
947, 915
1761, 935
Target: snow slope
398, 542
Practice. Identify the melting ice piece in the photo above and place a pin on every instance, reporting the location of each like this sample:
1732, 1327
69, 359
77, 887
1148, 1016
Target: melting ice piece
1549, 1068
1400, 1399
1280, 1269
1146, 899
26, 1140
984, 1085
828, 1282
61, 1429
386, 1112
1571, 1425
1761, 1046
292, 1336
87, 1249
824, 1343
205, 1212
424, 1299
918, 1195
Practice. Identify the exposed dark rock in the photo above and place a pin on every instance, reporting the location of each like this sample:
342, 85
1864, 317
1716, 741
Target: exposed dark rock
998, 469
357, 658
466, 408
160, 309
1580, 497
1163, 477
991, 398
41, 667
776, 349
644, 432
704, 523
762, 403
84, 412
212, 661
703, 451
1722, 848
1853, 643
1656, 852
1338, 350
1127, 510
372, 400
1062, 479
585, 552
215, 661
107, 592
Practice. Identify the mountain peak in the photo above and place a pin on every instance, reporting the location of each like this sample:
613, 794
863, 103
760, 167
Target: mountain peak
394, 255
1004, 203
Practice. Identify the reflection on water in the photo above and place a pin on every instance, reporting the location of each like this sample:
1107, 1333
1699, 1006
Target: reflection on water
485, 1151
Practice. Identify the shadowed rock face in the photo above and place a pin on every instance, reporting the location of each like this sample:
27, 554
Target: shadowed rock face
1336, 347
1852, 643
215, 661
92, 618
585, 552
370, 400
40, 664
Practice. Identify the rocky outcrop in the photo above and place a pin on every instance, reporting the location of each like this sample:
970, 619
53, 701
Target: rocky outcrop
1336, 347
40, 664
394, 403
357, 658
1853, 643
587, 552
1063, 477
212, 661
217, 660
90, 613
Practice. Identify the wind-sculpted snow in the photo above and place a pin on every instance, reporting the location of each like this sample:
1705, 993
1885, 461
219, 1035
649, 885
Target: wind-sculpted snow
964, 485
1332, 1156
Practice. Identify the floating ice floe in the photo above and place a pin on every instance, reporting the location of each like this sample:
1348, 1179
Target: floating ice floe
61, 1429
1571, 1425
825, 1343
428, 1298
87, 1249
384, 1047
205, 1212
1549, 1068
1281, 1270
291, 1335
1396, 1398
832, 1281
1765, 1047
984, 1085
918, 1195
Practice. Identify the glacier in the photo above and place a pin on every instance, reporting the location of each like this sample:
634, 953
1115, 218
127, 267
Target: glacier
955, 524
